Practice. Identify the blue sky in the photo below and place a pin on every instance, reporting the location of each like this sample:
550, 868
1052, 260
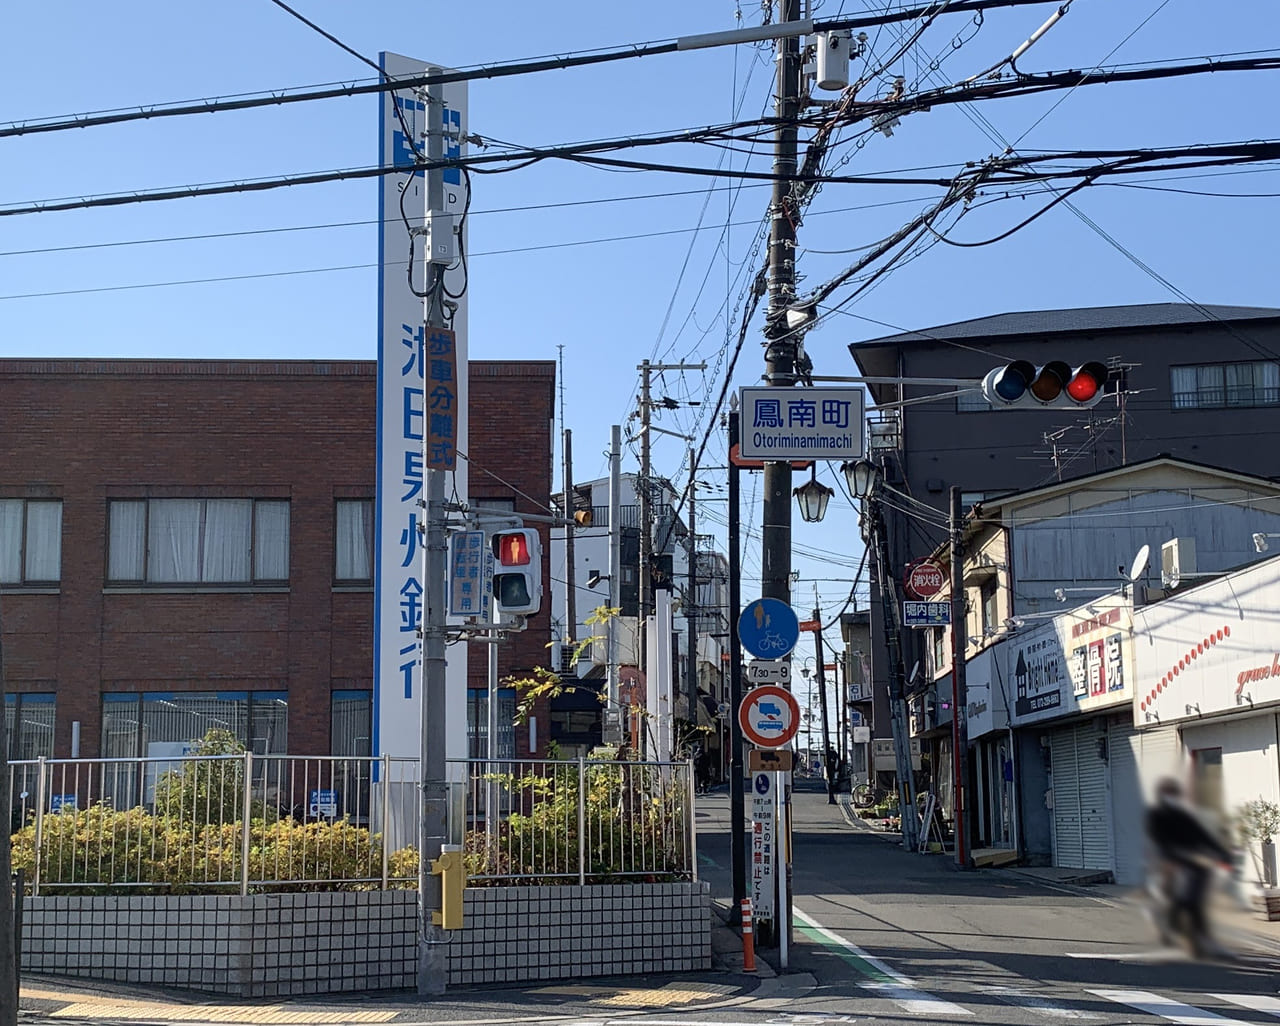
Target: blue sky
612, 282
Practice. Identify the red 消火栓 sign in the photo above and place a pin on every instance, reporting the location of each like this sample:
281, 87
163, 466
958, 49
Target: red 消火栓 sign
924, 580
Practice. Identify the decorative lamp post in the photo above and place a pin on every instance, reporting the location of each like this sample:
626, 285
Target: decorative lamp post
813, 498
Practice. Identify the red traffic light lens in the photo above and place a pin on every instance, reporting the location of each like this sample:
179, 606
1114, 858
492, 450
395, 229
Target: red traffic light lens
513, 550
1082, 388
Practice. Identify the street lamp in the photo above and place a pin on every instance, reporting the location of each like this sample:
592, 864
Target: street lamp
813, 498
864, 477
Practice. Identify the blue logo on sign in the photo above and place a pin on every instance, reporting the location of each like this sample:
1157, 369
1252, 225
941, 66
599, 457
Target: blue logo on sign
762, 783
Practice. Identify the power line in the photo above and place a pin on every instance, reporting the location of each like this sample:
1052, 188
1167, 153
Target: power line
488, 71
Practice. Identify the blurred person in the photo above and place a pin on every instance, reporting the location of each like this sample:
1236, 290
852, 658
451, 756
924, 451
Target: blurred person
1185, 852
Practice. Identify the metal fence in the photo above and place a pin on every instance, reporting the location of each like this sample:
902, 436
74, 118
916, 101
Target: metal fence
180, 824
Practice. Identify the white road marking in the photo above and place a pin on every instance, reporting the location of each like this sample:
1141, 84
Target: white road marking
1041, 1006
1126, 956
897, 988
1254, 1002
1167, 1008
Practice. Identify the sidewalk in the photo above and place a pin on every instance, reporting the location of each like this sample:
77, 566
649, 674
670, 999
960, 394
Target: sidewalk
60, 999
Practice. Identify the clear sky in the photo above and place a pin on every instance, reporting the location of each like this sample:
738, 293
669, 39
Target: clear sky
648, 272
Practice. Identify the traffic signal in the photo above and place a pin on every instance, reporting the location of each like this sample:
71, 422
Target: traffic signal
1055, 385
517, 572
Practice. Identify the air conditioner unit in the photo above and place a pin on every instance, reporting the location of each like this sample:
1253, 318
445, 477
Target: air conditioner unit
567, 664
1177, 560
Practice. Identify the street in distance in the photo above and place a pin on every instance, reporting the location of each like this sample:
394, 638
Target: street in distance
801, 423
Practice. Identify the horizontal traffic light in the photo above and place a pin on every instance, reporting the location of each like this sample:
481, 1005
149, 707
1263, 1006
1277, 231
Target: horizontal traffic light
1055, 385
517, 572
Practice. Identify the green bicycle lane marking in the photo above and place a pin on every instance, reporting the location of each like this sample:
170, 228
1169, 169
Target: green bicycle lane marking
859, 962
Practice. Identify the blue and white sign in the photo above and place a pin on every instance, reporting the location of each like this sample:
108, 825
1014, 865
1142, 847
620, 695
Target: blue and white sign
926, 614
784, 424
470, 574
324, 803
404, 356
768, 628
62, 803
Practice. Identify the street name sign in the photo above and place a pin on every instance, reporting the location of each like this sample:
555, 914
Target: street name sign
926, 614
769, 671
768, 628
785, 424
769, 716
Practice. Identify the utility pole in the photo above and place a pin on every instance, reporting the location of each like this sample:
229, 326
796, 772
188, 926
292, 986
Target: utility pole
959, 639
897, 677
570, 578
614, 725
646, 500
691, 596
822, 701
737, 800
433, 955
8, 942
780, 340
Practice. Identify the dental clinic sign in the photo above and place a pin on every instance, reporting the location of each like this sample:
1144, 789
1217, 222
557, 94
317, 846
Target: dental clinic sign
783, 424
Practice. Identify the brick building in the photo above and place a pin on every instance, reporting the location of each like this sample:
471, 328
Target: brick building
187, 544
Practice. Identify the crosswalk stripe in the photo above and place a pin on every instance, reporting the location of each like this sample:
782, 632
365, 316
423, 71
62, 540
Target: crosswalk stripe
1254, 1002
882, 980
1167, 1008
1041, 1006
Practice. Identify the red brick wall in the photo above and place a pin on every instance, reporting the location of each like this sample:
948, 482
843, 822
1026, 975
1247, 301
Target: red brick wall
89, 431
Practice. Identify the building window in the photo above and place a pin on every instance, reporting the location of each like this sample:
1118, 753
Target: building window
353, 548
167, 723
939, 651
990, 611
1217, 385
351, 725
30, 541
28, 718
198, 541
478, 723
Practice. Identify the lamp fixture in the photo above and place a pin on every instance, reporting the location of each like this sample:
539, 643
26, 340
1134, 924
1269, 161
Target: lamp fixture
1193, 706
595, 577
1260, 541
801, 314
1244, 696
813, 497
863, 476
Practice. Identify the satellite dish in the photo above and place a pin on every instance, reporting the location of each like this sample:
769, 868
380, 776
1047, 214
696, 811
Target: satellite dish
1140, 562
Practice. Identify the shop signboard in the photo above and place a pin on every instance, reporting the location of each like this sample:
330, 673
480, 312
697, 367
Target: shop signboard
1080, 661
985, 709
1211, 650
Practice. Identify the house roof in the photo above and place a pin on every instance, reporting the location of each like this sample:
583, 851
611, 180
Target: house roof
1079, 319
1071, 484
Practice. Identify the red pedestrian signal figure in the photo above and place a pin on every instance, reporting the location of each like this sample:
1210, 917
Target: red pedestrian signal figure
517, 573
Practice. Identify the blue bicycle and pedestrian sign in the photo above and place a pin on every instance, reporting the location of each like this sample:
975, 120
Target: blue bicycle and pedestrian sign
768, 628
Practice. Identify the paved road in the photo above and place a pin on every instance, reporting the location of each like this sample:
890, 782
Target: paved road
883, 937
892, 937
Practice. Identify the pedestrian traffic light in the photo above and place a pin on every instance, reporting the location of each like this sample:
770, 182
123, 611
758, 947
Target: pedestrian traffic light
1055, 385
517, 572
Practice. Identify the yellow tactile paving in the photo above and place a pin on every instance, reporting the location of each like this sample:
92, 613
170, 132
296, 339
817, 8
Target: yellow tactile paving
643, 997
126, 1008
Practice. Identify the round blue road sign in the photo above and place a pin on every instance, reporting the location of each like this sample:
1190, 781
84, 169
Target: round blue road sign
768, 628
762, 783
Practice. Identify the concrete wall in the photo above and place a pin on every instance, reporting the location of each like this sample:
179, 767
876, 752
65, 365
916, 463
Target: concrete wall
280, 945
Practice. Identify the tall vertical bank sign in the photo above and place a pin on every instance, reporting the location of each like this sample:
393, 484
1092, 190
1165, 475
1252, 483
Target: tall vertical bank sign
413, 403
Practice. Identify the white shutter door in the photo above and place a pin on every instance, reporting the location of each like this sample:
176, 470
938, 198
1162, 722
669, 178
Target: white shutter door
1067, 836
1095, 804
1127, 806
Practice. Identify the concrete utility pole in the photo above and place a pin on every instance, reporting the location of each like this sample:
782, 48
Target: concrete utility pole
614, 727
959, 639
822, 701
691, 596
8, 945
645, 496
737, 799
780, 340
570, 578
433, 955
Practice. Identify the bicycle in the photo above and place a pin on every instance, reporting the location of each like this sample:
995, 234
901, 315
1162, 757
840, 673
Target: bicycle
772, 642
